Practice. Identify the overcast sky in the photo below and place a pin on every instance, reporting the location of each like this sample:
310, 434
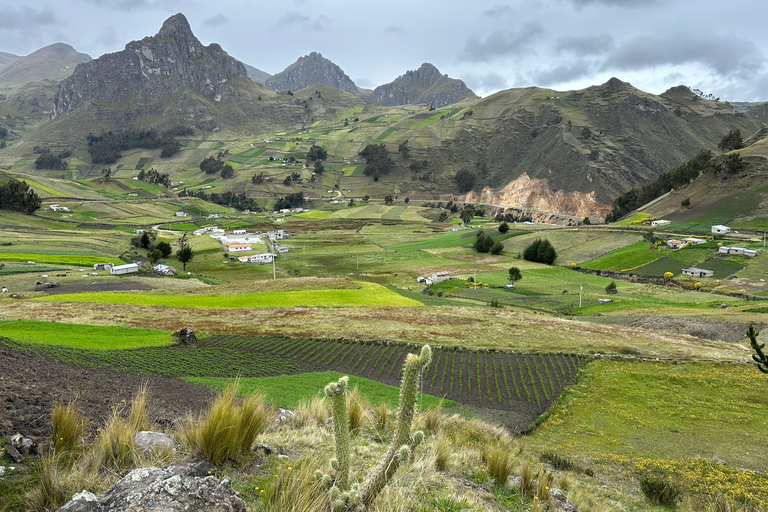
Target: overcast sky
715, 46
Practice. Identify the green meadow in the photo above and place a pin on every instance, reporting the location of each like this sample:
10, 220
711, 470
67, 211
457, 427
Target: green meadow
86, 337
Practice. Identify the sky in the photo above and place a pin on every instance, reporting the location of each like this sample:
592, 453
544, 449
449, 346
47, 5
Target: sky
713, 46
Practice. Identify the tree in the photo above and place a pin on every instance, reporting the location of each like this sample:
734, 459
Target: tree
388, 200
496, 248
227, 171
586, 221
732, 140
287, 180
185, 253
465, 180
145, 240
17, 196
165, 248
503, 227
649, 237
540, 251
586, 132
514, 274
467, 213
154, 256
316, 153
402, 148
377, 160
483, 242
319, 169
611, 288
685, 203
406, 200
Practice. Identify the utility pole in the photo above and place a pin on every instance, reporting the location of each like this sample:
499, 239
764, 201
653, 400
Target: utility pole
474, 279
580, 289
358, 263
274, 276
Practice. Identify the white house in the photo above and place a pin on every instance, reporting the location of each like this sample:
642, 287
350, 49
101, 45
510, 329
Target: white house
439, 277
164, 270
741, 251
282, 249
266, 257
129, 268
698, 272
181, 214
720, 229
239, 247
674, 244
694, 240
238, 231
657, 223
103, 266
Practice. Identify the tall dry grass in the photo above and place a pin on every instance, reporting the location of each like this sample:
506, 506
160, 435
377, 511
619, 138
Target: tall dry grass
295, 489
67, 426
431, 418
316, 411
357, 410
137, 416
383, 416
443, 451
499, 459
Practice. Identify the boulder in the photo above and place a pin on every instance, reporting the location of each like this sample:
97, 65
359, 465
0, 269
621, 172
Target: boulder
148, 441
175, 488
562, 504
186, 336
14, 454
22, 444
284, 415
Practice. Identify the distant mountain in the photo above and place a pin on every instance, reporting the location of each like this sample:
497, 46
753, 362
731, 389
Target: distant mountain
171, 62
256, 74
425, 85
7, 58
54, 62
310, 70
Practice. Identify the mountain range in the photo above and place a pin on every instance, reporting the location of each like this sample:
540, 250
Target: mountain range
566, 151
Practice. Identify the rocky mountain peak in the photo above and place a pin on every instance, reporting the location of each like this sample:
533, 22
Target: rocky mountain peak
168, 63
424, 85
310, 70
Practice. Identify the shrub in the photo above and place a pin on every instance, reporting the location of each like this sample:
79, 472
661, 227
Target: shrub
229, 427
610, 289
660, 489
540, 251
496, 248
67, 425
503, 227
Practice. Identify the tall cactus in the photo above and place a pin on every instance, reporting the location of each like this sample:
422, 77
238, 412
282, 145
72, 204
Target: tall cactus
403, 443
759, 357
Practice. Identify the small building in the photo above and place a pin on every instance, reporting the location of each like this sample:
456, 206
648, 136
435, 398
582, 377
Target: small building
658, 223
694, 240
238, 231
129, 268
720, 229
698, 272
181, 213
282, 249
739, 251
266, 257
439, 277
103, 266
164, 270
675, 244
239, 247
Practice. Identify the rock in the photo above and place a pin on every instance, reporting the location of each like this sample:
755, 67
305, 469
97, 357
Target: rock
14, 454
309, 70
425, 85
561, 502
283, 457
170, 489
186, 336
22, 444
264, 447
284, 415
2, 471
148, 441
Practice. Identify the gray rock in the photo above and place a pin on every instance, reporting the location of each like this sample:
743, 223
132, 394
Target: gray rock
425, 85
561, 502
284, 415
309, 70
147, 441
187, 336
2, 471
22, 444
264, 447
170, 489
14, 454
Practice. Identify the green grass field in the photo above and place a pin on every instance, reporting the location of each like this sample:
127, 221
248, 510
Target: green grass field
627, 258
288, 390
369, 294
61, 259
87, 337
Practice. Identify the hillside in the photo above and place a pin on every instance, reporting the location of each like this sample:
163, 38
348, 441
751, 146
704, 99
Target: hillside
256, 74
424, 85
310, 70
54, 62
6, 58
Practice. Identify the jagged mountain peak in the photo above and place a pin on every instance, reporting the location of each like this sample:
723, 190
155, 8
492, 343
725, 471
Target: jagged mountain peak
310, 70
174, 26
423, 85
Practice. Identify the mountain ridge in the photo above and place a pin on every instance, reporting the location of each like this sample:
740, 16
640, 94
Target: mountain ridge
423, 85
52, 62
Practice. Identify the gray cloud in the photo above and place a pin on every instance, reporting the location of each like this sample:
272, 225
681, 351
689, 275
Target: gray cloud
395, 30
123, 5
500, 43
562, 73
295, 19
488, 82
722, 53
585, 45
216, 20
364, 82
498, 10
23, 19
616, 3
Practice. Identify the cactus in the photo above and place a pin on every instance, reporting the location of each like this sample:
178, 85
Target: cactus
337, 392
759, 357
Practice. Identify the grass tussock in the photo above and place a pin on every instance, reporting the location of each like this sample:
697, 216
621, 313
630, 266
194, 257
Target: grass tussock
67, 427
660, 489
137, 416
314, 411
431, 418
499, 457
115, 449
230, 427
383, 416
357, 407
443, 451
527, 479
51, 491
295, 489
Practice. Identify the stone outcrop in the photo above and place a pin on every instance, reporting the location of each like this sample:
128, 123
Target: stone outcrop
309, 70
425, 85
156, 67
178, 487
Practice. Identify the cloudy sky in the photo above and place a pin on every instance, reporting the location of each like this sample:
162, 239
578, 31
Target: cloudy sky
491, 45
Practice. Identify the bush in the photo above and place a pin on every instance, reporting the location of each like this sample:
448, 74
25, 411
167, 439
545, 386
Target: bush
540, 251
496, 248
484, 243
503, 227
611, 288
660, 489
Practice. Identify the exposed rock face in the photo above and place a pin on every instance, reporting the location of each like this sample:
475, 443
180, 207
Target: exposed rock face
425, 85
178, 487
170, 62
310, 70
534, 194
53, 62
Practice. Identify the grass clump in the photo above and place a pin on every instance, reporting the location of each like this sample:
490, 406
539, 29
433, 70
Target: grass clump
443, 451
295, 489
137, 417
67, 425
317, 410
115, 448
357, 405
230, 426
660, 489
499, 458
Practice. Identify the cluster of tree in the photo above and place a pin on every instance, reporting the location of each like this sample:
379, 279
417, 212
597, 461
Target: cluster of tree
154, 177
237, 201
486, 243
377, 160
465, 180
48, 160
257, 179
676, 178
17, 196
294, 176
319, 169
108, 147
731, 141
402, 148
540, 251
419, 165
3, 132
317, 153
213, 165
294, 200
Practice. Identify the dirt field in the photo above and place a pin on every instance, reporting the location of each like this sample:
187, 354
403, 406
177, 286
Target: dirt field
30, 385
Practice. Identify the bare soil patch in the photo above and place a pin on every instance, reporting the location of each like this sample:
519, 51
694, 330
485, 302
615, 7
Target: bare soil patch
114, 286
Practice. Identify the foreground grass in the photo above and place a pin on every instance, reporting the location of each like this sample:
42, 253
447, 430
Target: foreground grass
288, 390
679, 419
87, 337
369, 294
